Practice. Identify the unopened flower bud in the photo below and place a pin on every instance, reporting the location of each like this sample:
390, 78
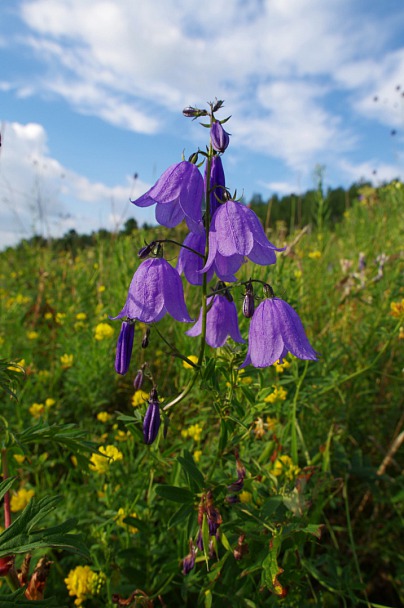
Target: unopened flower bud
190, 112
268, 291
219, 137
152, 419
6, 563
217, 105
138, 381
248, 302
145, 340
189, 561
124, 347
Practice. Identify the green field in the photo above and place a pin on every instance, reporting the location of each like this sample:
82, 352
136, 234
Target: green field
317, 520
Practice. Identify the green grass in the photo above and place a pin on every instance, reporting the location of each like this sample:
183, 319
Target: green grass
323, 523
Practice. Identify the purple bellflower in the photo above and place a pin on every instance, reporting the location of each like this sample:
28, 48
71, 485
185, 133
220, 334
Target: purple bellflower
219, 137
217, 183
156, 289
221, 322
152, 420
190, 264
124, 347
275, 330
178, 195
236, 232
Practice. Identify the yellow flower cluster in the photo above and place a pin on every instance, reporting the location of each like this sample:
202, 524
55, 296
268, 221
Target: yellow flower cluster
245, 496
121, 516
38, 409
197, 455
194, 431
100, 463
32, 335
279, 394
19, 458
66, 361
104, 417
397, 309
284, 466
280, 367
20, 499
260, 426
314, 255
103, 331
139, 398
83, 582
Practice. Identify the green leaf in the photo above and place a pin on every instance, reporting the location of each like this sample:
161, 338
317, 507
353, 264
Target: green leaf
6, 485
175, 494
181, 515
22, 537
65, 435
192, 471
271, 570
18, 599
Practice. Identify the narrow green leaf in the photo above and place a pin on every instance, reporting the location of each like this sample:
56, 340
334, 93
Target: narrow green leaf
6, 485
189, 466
175, 494
181, 515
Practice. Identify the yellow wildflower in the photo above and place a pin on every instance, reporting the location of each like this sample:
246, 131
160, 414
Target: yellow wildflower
401, 333
284, 466
139, 398
21, 364
280, 367
259, 429
80, 583
81, 316
36, 410
44, 373
102, 331
122, 435
121, 516
20, 499
397, 309
279, 394
66, 361
60, 317
48, 316
194, 431
19, 458
245, 496
100, 464
298, 274
74, 460
197, 455
49, 402
32, 335
104, 417
101, 288
192, 358
315, 255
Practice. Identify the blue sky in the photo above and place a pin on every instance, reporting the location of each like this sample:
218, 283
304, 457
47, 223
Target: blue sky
91, 92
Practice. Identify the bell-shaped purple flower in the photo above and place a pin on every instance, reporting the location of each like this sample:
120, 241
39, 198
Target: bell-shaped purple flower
275, 330
219, 137
152, 419
190, 264
217, 183
221, 322
124, 347
178, 194
156, 289
236, 232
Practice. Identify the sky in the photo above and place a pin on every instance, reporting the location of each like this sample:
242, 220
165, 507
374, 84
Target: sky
92, 92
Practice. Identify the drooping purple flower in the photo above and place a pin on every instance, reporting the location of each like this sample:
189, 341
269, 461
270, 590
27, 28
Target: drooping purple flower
217, 183
152, 420
236, 232
124, 347
178, 194
275, 330
190, 263
221, 322
156, 289
219, 137
189, 561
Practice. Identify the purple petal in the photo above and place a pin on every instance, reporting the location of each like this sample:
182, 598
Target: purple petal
174, 294
265, 343
151, 422
292, 330
233, 230
190, 264
169, 214
124, 347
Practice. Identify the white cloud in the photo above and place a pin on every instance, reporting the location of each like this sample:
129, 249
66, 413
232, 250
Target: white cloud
40, 195
371, 170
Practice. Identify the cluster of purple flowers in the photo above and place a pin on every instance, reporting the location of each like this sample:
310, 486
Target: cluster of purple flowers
223, 233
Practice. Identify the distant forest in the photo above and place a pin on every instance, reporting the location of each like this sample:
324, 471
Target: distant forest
318, 207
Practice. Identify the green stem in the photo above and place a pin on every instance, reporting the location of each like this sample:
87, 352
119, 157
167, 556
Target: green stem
294, 420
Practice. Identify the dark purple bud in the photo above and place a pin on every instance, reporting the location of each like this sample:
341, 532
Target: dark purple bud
189, 561
124, 347
232, 500
248, 302
217, 105
138, 381
151, 422
146, 250
217, 184
199, 541
219, 137
191, 112
145, 341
